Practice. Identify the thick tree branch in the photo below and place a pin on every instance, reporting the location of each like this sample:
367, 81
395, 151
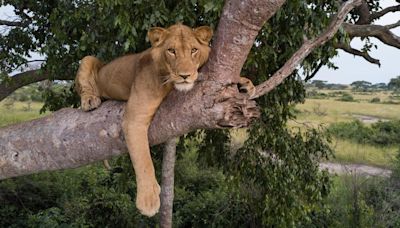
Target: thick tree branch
380, 32
237, 29
364, 54
306, 49
25, 78
364, 13
71, 138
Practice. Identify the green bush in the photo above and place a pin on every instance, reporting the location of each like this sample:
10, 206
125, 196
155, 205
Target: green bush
383, 133
346, 97
314, 94
357, 201
355, 130
375, 100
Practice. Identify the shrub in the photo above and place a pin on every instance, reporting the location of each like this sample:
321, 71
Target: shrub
381, 133
355, 130
375, 100
314, 94
346, 97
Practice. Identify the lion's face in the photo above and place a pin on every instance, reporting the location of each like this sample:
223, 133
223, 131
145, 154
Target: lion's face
183, 51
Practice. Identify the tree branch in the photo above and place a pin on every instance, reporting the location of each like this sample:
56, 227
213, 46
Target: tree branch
306, 49
364, 54
383, 12
394, 25
380, 32
364, 13
71, 138
237, 29
12, 23
25, 78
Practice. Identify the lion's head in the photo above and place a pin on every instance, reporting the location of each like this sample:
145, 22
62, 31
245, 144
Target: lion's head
182, 51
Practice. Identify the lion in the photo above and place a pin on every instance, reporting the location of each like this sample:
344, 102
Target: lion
144, 80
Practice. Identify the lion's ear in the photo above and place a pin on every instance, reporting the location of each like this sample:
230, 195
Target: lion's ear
156, 35
203, 34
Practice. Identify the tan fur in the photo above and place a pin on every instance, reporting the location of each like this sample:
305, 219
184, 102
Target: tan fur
144, 79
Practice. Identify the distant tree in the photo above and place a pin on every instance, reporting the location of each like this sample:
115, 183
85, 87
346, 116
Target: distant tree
379, 86
361, 85
394, 84
336, 86
320, 84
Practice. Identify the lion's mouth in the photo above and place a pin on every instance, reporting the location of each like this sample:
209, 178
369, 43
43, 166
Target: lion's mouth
183, 86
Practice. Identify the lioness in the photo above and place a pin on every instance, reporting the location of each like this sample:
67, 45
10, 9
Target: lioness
144, 79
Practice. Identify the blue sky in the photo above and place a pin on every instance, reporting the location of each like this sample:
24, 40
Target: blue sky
350, 68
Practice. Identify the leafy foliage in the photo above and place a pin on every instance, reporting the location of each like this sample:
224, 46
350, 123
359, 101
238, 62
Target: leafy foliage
383, 133
273, 180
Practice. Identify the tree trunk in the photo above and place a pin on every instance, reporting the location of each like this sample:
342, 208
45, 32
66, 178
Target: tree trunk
71, 138
167, 183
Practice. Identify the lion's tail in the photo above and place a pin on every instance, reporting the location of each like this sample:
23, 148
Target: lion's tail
87, 73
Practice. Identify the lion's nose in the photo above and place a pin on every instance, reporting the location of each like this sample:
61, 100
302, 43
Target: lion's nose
184, 76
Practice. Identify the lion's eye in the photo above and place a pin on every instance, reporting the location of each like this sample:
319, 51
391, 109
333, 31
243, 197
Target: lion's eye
171, 50
194, 50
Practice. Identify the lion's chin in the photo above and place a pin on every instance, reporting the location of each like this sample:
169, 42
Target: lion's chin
183, 86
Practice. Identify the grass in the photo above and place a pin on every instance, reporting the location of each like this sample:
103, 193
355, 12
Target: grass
18, 112
316, 112
350, 152
326, 111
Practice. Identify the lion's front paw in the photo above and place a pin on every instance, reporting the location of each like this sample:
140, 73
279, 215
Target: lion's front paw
90, 102
246, 86
148, 199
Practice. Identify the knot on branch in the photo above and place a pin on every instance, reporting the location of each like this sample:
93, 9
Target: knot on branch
239, 109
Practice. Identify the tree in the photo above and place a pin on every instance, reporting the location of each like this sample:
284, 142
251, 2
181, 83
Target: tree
361, 85
320, 84
284, 178
394, 84
379, 86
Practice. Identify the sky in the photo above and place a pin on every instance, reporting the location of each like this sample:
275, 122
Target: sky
351, 68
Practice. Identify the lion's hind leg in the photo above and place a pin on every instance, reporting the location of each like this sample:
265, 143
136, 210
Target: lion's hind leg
85, 83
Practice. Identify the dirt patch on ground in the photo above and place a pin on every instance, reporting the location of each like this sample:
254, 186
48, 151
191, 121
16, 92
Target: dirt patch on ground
365, 170
368, 119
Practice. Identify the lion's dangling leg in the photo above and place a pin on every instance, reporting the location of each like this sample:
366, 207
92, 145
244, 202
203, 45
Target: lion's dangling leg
85, 83
135, 126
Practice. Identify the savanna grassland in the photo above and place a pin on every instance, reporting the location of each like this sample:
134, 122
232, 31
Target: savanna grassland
324, 108
16, 111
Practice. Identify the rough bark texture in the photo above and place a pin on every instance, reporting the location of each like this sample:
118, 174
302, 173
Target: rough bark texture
237, 29
70, 138
167, 183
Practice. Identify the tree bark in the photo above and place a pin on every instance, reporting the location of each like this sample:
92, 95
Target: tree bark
167, 183
71, 138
